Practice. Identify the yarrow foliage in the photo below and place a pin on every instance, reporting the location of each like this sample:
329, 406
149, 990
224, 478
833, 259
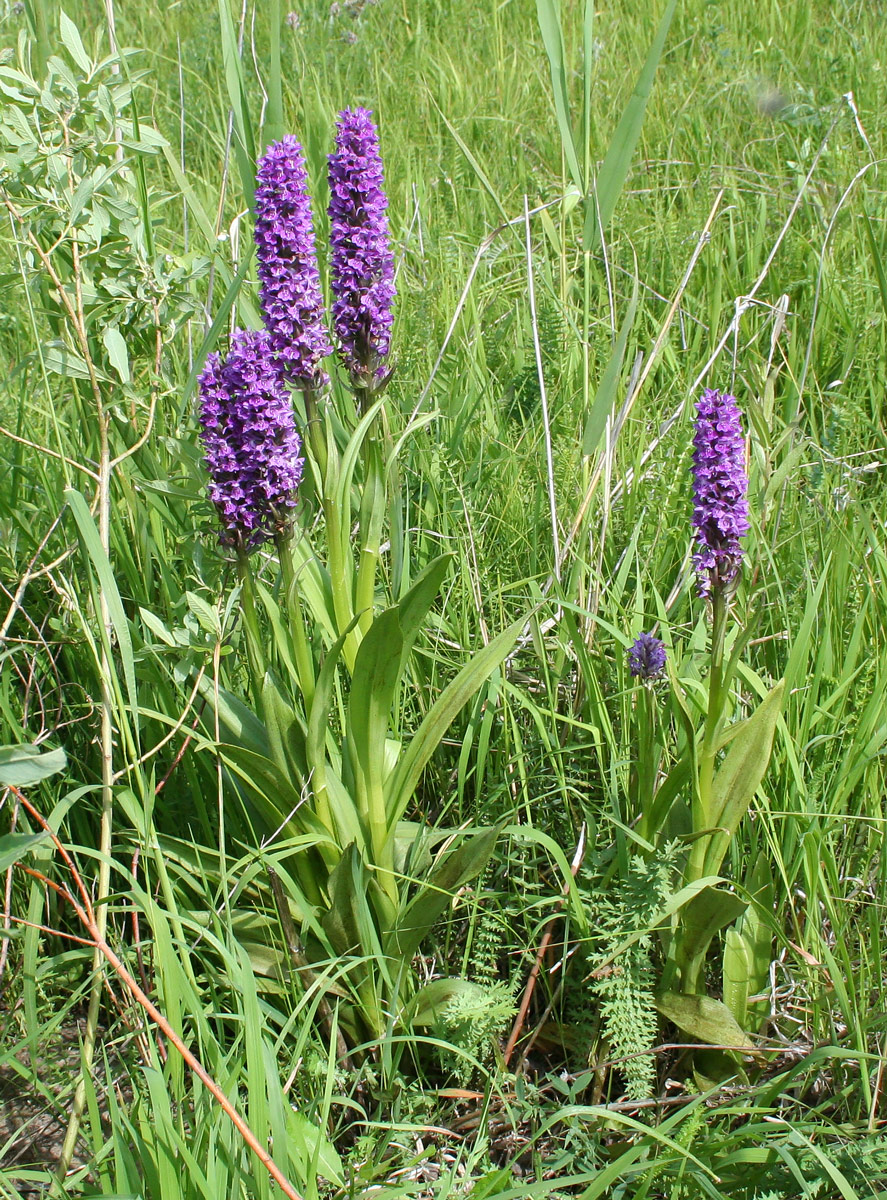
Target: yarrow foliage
646, 657
720, 484
249, 434
290, 295
362, 264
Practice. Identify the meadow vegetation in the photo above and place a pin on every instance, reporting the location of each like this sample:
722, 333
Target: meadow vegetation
368, 862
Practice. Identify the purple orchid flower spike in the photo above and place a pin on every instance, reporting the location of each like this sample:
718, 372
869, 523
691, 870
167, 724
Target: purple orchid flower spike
362, 263
253, 452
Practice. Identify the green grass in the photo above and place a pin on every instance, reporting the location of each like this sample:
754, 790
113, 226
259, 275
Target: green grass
749, 128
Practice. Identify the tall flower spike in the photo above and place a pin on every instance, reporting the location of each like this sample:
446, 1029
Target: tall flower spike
720, 484
252, 447
362, 264
290, 296
646, 657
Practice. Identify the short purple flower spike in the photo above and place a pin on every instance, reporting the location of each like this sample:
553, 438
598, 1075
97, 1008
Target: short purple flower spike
362, 264
720, 484
290, 295
252, 447
646, 657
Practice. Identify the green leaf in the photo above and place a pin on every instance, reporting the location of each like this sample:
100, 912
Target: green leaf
14, 846
614, 170
238, 723
348, 922
756, 929
71, 39
285, 732
740, 775
703, 1018
23, 766
548, 13
91, 542
451, 870
415, 603
455, 695
373, 685
429, 1002
118, 355
61, 360
707, 913
244, 140
314, 1151
736, 975
274, 126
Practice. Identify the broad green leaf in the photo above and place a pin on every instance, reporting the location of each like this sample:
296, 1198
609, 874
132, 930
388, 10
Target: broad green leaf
736, 975
614, 170
285, 732
451, 871
703, 1018
548, 13
741, 773
238, 723
455, 695
14, 847
428, 1004
706, 914
756, 928
23, 766
349, 922
72, 43
279, 803
315, 742
274, 126
373, 685
313, 1150
414, 605
61, 360
244, 139
118, 355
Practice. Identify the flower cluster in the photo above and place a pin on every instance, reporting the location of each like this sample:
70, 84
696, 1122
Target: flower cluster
646, 657
290, 295
362, 264
720, 483
249, 434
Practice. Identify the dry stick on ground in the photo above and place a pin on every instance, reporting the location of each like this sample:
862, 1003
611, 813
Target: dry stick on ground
540, 954
87, 916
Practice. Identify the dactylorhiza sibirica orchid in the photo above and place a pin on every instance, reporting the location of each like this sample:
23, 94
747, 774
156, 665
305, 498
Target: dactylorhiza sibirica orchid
361, 261
253, 452
720, 484
290, 295
646, 657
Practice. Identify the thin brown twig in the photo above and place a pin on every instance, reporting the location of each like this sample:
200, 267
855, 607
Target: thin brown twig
521, 1017
123, 974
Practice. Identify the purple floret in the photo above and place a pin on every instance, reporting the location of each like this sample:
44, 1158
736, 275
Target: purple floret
646, 657
720, 484
362, 264
252, 447
290, 295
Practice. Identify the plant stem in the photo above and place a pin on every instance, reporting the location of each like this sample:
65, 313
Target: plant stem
645, 770
301, 648
372, 514
716, 700
254, 651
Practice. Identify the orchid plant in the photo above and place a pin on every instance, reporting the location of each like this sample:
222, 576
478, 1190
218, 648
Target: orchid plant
318, 750
722, 763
